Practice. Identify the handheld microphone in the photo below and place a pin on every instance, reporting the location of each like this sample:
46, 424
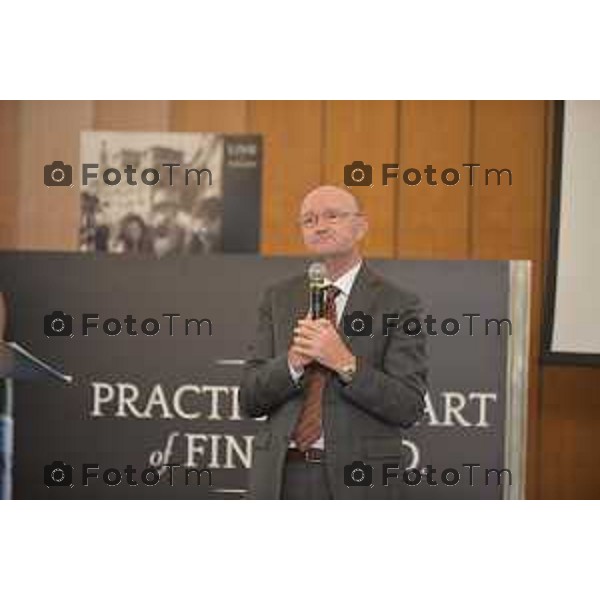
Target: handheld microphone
316, 286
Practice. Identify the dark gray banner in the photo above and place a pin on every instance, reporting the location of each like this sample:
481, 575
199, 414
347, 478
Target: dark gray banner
143, 400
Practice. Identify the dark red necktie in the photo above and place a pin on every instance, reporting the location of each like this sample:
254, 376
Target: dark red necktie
308, 428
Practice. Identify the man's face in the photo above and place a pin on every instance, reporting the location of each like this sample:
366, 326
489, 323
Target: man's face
331, 225
165, 216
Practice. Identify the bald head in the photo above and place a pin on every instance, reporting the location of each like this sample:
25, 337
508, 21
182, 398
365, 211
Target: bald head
327, 194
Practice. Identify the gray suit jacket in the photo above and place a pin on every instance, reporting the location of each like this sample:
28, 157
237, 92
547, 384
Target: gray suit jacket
363, 420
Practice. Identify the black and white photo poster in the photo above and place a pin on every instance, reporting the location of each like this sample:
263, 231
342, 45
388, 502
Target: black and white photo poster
169, 194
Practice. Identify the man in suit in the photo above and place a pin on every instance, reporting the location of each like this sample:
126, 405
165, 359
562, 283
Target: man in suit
331, 399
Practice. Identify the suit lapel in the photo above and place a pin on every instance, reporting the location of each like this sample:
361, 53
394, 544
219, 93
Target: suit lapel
298, 304
363, 296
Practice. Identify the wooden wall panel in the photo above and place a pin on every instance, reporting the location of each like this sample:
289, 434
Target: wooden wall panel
132, 115
292, 141
509, 221
569, 448
433, 221
365, 131
224, 116
9, 173
48, 217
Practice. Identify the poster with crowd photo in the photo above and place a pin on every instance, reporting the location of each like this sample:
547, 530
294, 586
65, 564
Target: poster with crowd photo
169, 194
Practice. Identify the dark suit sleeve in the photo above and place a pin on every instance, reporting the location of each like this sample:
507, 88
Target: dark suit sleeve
395, 393
266, 382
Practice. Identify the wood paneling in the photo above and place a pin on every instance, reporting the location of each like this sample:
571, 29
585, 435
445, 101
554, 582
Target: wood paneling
569, 448
48, 217
292, 143
9, 172
508, 220
365, 131
225, 116
433, 221
132, 115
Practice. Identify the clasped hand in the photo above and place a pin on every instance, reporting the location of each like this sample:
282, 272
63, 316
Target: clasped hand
318, 340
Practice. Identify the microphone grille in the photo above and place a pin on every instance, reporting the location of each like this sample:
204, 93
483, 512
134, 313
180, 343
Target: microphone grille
316, 272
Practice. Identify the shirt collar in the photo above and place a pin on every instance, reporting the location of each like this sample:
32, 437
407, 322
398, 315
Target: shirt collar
345, 282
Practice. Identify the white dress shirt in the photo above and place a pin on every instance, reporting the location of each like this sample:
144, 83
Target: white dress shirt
343, 283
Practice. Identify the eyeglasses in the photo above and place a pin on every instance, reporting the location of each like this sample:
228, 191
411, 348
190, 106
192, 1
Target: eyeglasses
330, 217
